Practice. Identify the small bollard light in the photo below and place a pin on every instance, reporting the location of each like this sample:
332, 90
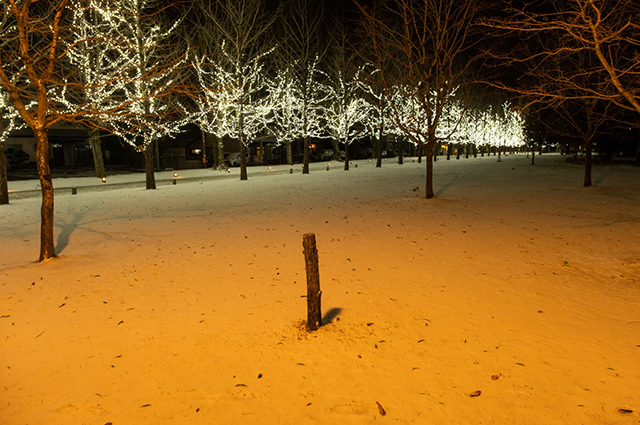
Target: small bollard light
74, 191
355, 165
291, 171
229, 170
369, 161
270, 168
104, 180
175, 174
175, 181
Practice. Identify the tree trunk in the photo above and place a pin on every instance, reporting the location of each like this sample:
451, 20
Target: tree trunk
287, 147
149, 167
346, 156
400, 152
588, 162
638, 154
305, 161
47, 248
533, 156
419, 153
243, 162
204, 149
98, 161
262, 157
457, 150
4, 186
314, 310
448, 151
429, 161
218, 150
336, 149
499, 155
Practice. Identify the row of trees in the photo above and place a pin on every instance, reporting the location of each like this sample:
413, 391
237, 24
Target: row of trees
141, 69
578, 65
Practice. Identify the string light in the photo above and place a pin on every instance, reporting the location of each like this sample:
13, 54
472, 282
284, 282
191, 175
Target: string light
345, 109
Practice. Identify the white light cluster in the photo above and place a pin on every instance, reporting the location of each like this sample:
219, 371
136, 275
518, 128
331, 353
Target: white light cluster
346, 113
125, 80
231, 102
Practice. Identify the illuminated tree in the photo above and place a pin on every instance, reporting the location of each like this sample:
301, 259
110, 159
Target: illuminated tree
232, 76
453, 127
346, 112
301, 41
150, 108
511, 128
42, 80
481, 126
284, 119
98, 82
30, 63
378, 118
8, 113
427, 42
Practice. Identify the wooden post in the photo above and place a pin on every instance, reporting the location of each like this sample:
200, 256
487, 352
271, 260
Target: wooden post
314, 312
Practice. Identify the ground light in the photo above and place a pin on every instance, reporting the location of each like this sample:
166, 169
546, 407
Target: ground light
104, 180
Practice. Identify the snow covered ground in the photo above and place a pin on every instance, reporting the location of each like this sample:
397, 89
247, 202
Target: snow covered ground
512, 298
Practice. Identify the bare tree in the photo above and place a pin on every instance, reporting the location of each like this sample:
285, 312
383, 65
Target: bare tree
428, 42
578, 115
607, 31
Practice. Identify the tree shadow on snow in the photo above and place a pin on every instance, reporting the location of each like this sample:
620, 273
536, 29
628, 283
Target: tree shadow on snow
330, 315
603, 176
68, 227
447, 185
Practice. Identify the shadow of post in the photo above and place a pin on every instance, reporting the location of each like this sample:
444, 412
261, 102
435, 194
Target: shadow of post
330, 315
